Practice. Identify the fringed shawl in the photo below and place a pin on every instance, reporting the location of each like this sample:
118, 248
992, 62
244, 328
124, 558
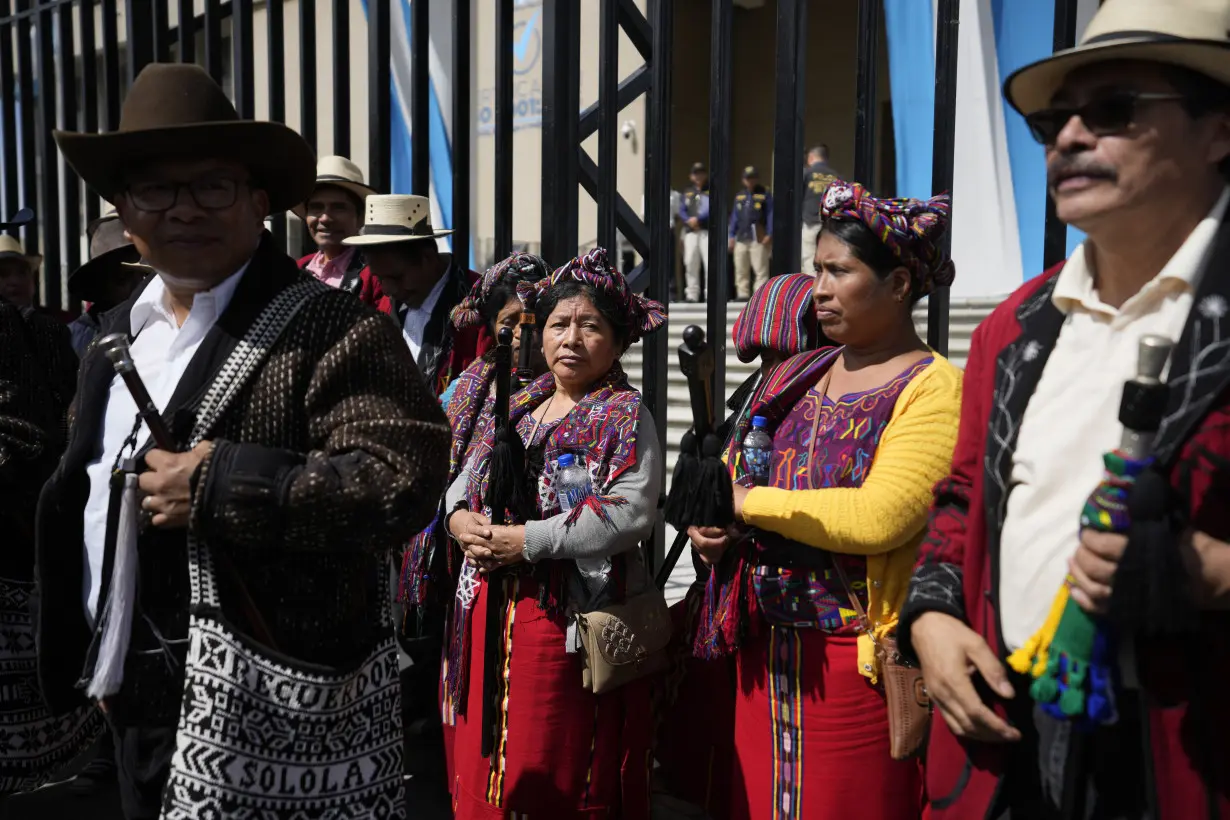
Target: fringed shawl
471, 401
728, 606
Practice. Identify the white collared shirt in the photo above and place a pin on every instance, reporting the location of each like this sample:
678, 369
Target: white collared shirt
415, 325
161, 351
1073, 419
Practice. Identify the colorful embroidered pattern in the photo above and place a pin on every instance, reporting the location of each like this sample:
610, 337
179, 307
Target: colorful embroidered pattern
847, 435
778, 317
786, 719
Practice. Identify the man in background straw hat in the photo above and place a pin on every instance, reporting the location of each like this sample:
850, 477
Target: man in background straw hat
1135, 122
333, 213
107, 279
334, 454
18, 272
421, 285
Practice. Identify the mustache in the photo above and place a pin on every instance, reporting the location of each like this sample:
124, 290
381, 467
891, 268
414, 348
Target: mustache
1072, 165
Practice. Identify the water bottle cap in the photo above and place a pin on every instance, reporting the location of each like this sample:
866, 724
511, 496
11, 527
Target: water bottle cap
760, 421
566, 460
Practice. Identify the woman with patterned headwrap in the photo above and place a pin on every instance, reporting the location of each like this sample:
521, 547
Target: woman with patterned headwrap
560, 751
860, 434
429, 569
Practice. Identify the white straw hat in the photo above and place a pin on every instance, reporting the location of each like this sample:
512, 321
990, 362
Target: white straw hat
392, 218
10, 248
1194, 34
340, 173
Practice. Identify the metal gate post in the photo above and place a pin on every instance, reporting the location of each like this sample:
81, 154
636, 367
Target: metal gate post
380, 93
48, 160
1055, 242
504, 128
461, 131
942, 159
341, 77
721, 69
8, 115
865, 105
420, 110
787, 136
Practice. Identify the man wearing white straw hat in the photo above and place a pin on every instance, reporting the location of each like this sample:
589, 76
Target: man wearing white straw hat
18, 272
1070, 617
332, 214
421, 285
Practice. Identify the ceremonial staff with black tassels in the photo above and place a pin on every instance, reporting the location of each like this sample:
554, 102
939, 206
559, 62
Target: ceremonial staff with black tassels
701, 493
504, 492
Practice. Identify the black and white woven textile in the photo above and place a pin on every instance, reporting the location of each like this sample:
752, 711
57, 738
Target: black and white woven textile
34, 744
262, 735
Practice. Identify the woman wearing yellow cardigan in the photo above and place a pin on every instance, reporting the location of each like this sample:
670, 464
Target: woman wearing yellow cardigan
860, 434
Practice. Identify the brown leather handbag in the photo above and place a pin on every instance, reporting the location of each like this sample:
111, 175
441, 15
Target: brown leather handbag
905, 692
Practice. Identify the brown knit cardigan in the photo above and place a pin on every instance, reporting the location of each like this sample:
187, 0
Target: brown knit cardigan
335, 453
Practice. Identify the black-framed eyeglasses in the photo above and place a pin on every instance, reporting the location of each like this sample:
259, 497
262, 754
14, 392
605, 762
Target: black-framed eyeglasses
210, 193
1105, 116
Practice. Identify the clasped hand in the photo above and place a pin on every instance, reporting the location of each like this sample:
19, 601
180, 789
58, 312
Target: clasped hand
167, 485
486, 545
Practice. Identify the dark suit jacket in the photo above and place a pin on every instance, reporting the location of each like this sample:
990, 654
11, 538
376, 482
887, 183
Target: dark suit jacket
333, 453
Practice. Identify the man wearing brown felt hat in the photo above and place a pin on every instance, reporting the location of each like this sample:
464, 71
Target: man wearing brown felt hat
330, 452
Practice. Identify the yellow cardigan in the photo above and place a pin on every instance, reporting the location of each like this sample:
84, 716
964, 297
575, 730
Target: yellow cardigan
886, 517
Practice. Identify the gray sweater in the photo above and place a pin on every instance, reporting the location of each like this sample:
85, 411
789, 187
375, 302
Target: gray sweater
590, 537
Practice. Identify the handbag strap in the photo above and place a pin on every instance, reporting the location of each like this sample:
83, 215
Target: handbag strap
234, 375
823, 388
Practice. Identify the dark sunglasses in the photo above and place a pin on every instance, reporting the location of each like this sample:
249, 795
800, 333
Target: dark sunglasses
1105, 116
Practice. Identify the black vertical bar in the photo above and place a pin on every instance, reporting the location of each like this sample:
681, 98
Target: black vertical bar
67, 68
504, 127
721, 54
379, 82
140, 33
657, 207
89, 88
48, 160
307, 71
29, 148
213, 39
942, 158
111, 65
560, 127
341, 77
241, 58
275, 45
461, 131
160, 21
8, 115
787, 146
865, 103
1055, 243
420, 78
608, 116
186, 32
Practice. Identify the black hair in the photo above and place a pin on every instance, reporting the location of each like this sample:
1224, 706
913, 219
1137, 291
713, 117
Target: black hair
868, 249
497, 298
1201, 95
605, 303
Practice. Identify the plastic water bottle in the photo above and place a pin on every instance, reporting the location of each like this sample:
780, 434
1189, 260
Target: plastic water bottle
573, 486
571, 482
758, 451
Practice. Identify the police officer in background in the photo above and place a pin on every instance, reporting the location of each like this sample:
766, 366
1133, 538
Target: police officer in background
751, 234
817, 175
694, 216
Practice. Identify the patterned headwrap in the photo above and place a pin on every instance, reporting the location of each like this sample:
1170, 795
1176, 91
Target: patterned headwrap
910, 228
516, 269
644, 316
779, 317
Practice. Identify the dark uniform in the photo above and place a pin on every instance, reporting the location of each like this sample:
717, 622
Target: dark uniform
751, 220
816, 179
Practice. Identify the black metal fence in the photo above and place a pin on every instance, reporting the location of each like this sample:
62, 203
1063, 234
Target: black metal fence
63, 66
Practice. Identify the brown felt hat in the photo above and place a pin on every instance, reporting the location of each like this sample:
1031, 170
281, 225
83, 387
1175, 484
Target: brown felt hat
177, 111
1193, 34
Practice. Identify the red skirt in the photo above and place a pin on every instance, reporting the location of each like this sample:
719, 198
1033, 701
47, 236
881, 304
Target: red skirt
565, 753
811, 735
